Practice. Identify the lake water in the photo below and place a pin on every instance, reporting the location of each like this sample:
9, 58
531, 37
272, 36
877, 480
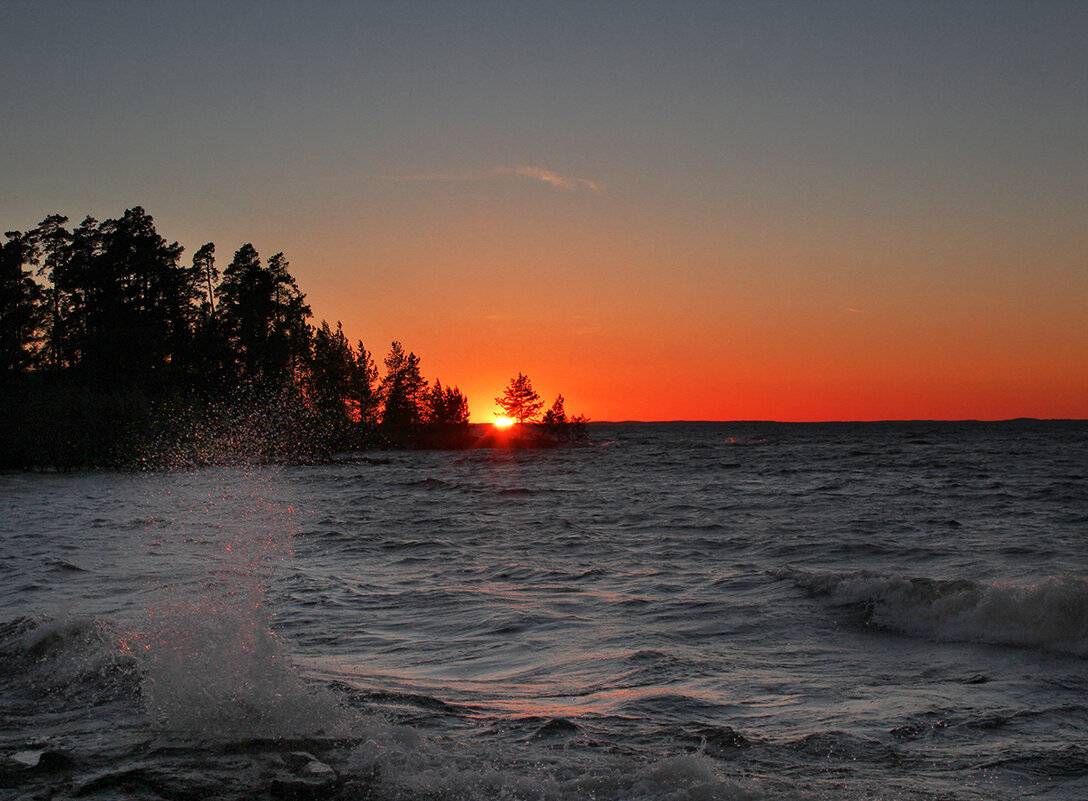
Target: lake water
675, 611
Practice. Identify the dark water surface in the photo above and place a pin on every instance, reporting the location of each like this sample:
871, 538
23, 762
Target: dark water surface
681, 611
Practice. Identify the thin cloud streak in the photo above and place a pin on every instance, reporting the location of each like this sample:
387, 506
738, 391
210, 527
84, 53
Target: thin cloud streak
437, 177
550, 177
553, 178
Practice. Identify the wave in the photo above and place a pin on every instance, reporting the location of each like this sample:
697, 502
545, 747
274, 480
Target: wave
65, 663
1051, 615
214, 665
414, 769
211, 666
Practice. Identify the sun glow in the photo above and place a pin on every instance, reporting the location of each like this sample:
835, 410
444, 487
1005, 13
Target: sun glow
503, 422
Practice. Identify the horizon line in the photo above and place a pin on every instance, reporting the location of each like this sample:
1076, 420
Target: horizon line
833, 421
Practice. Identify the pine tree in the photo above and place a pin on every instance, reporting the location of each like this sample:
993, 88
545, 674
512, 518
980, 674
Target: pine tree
365, 395
51, 241
18, 296
208, 275
519, 401
403, 393
446, 406
263, 316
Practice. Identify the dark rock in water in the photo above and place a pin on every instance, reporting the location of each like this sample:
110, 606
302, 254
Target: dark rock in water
313, 778
28, 759
54, 761
23, 768
978, 678
305, 762
39, 761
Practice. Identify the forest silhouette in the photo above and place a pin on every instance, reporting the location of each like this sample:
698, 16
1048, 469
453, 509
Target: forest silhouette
115, 352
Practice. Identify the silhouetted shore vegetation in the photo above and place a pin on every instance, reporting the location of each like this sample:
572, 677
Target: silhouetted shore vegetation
116, 352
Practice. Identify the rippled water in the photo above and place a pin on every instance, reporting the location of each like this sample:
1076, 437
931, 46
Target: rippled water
673, 612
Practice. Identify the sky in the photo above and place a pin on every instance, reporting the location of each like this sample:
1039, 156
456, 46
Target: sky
704, 211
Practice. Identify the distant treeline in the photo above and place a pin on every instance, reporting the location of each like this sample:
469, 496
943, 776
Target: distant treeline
114, 351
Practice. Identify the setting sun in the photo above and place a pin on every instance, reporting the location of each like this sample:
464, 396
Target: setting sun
503, 422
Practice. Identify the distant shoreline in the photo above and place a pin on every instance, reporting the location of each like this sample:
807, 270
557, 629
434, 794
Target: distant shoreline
889, 421
181, 455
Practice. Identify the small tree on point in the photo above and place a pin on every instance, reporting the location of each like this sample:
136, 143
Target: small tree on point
519, 401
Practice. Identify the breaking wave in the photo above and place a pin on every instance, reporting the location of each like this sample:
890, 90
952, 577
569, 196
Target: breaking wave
1051, 615
214, 664
65, 661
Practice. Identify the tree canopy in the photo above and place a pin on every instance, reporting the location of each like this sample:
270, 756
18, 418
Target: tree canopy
19, 295
111, 346
519, 401
114, 350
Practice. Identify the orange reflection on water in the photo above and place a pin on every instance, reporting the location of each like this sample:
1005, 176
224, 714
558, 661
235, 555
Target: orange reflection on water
598, 703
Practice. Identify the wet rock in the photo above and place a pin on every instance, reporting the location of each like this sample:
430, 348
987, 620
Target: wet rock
42, 760
28, 759
305, 762
312, 779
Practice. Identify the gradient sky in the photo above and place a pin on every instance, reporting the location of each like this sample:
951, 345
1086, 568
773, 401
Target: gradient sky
793, 211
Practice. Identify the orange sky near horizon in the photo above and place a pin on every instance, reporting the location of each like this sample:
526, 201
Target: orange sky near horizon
633, 315
797, 212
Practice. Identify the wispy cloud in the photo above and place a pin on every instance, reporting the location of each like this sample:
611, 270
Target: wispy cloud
436, 176
551, 177
567, 182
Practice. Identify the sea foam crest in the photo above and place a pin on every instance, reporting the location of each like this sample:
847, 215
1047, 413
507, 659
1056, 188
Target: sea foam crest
214, 665
419, 768
209, 659
1052, 614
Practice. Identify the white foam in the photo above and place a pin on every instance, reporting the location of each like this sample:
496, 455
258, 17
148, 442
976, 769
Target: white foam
209, 659
1052, 614
409, 765
215, 665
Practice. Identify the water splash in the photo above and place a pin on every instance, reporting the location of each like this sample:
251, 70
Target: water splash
210, 660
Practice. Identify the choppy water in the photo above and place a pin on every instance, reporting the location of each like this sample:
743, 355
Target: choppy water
714, 611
